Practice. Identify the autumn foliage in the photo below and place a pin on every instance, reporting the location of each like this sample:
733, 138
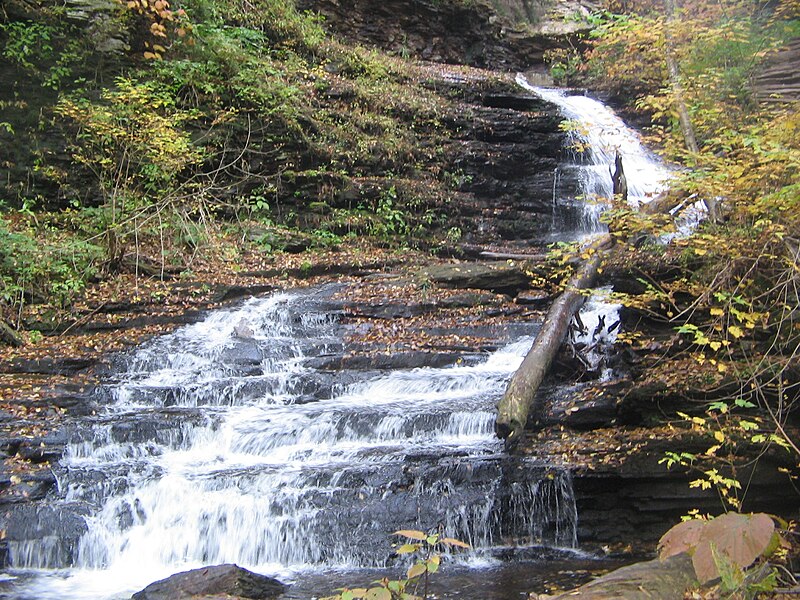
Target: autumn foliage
161, 21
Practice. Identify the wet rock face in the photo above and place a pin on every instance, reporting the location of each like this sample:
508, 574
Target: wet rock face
101, 17
43, 536
499, 277
505, 151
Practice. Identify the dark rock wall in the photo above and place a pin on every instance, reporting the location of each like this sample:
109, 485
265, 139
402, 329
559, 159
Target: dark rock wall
505, 149
779, 78
449, 31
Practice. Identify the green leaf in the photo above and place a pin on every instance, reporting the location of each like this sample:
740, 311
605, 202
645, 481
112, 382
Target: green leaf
780, 440
432, 539
378, 593
433, 563
720, 406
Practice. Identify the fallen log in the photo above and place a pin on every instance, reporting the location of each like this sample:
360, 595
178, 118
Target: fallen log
514, 407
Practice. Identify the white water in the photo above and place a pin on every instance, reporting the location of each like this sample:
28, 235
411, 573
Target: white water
596, 329
596, 136
206, 456
224, 443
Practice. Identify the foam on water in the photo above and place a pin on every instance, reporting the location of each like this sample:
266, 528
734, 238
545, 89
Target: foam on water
210, 452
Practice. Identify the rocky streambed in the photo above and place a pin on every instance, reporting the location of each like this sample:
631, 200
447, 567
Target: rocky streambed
394, 311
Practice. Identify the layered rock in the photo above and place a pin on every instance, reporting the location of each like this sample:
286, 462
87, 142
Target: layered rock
778, 80
505, 148
507, 34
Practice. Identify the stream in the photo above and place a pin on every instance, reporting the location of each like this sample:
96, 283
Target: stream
233, 440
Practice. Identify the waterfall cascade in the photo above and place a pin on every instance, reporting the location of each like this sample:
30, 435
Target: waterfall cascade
596, 135
221, 443
229, 441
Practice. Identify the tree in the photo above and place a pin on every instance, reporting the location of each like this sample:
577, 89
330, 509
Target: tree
675, 78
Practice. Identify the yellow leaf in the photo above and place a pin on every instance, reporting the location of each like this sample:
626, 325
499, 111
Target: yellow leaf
715, 345
719, 436
736, 331
716, 312
455, 542
412, 533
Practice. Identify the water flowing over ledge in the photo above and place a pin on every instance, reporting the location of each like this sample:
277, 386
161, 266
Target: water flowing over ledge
596, 135
221, 444
228, 442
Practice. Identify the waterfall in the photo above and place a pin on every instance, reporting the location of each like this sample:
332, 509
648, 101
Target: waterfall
596, 134
230, 440
223, 442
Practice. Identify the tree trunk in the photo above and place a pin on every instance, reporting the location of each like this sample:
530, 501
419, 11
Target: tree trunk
675, 79
514, 407
618, 180
9, 336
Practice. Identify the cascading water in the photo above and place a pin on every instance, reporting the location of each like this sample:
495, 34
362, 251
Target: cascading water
597, 135
230, 441
221, 443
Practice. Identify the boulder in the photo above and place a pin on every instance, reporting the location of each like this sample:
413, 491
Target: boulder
9, 336
227, 579
652, 580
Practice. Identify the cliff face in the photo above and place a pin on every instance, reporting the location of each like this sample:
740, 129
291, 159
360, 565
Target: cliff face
503, 34
779, 78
